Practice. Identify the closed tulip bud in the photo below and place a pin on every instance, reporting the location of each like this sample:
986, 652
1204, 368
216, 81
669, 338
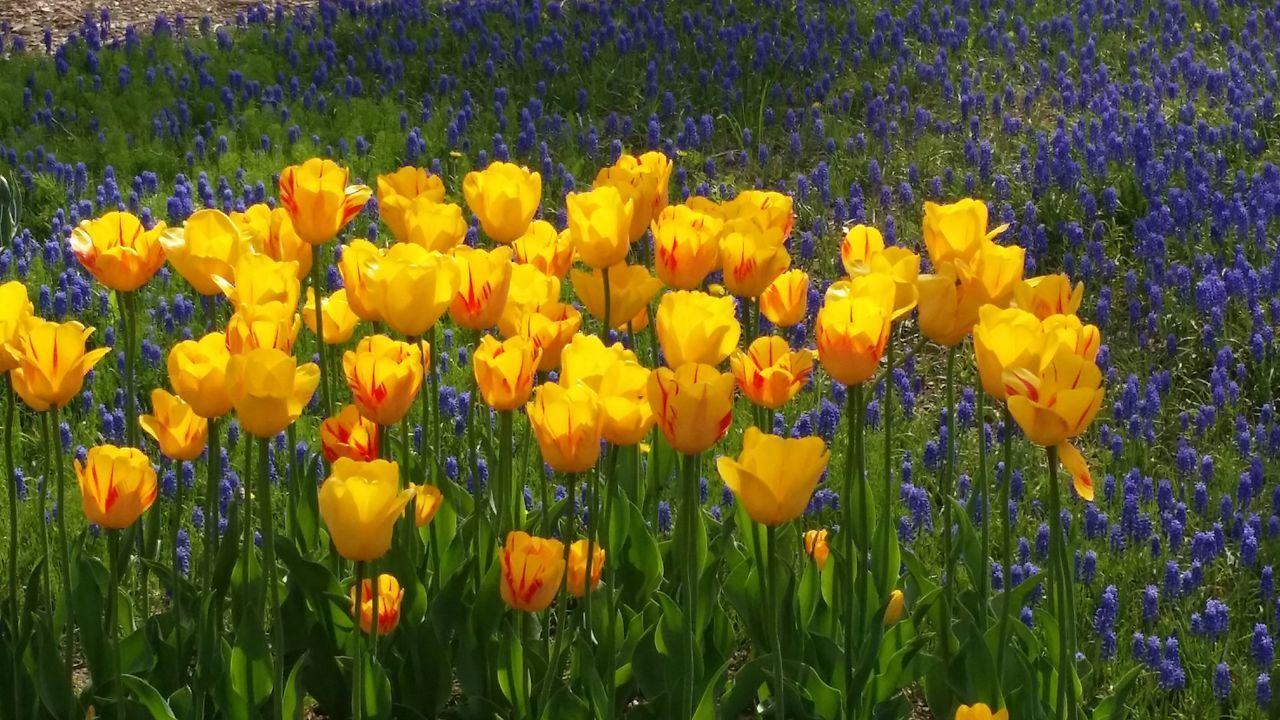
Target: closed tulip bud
686, 246
644, 181
349, 435
390, 595
426, 502
623, 391
179, 431
49, 362
269, 231
815, 546
254, 327
117, 485
769, 373
484, 283
853, 329
860, 244
412, 287
264, 284
956, 232
894, 610
269, 389
863, 251
360, 503
384, 377
504, 197
335, 311
529, 289
545, 248
694, 327
764, 208
1048, 295
786, 301
600, 225
774, 477
551, 326
1004, 339
693, 405
505, 370
208, 245
752, 257
568, 425
118, 251
198, 373
15, 312
433, 226
398, 190
318, 199
578, 586
980, 711
631, 287
532, 570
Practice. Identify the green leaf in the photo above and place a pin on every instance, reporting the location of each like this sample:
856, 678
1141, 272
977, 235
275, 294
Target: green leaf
140, 692
376, 693
293, 693
1113, 706
250, 672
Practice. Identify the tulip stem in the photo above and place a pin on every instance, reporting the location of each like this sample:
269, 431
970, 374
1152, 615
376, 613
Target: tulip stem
175, 521
113, 620
611, 491
850, 563
11, 479
606, 321
373, 609
1066, 601
267, 520
774, 601
64, 551
689, 541
357, 664
886, 516
246, 516
436, 450
131, 367
981, 499
506, 476
1006, 610
212, 483
562, 628
317, 297
42, 489
948, 480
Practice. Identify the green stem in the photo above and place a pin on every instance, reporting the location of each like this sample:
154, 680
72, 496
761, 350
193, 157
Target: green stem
886, 513
436, 450
357, 664
326, 405
131, 369
508, 512
373, 607
518, 675
175, 524
246, 558
212, 482
113, 620
15, 612
1006, 548
267, 520
64, 551
611, 492
850, 563
984, 508
607, 320
689, 523
42, 489
775, 613
948, 482
562, 629
1062, 590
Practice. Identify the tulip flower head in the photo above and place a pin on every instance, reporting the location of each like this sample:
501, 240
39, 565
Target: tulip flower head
49, 361
752, 257
786, 301
586, 359
578, 585
412, 287
359, 258
118, 251
774, 477
532, 570
545, 248
686, 246
208, 245
318, 199
390, 595
262, 326
529, 289
979, 711
815, 546
769, 373
644, 181
505, 370
693, 405
863, 251
853, 328
950, 297
117, 485
269, 389
384, 377
568, 424
956, 231
504, 197
16, 311
435, 226
484, 283
198, 374
360, 503
349, 434
1048, 295
600, 225
631, 287
262, 284
179, 431
426, 503
1002, 339
694, 327
895, 608
269, 231
335, 312
398, 191
551, 326
764, 208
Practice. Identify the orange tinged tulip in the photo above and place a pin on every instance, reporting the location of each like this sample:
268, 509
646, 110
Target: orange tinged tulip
1004, 339
767, 209
752, 257
335, 311
254, 327
349, 435
623, 391
270, 232
390, 594
863, 251
1048, 295
1067, 330
384, 377
950, 298
694, 327
786, 301
631, 287
49, 362
774, 477
551, 326
505, 370
426, 503
208, 245
198, 373
117, 485
15, 312
484, 283
529, 289
504, 197
179, 431
600, 225
118, 251
568, 424
319, 200
269, 389
264, 284
815, 546
578, 586
544, 248
693, 405
360, 503
359, 258
532, 570
853, 329
769, 373
686, 245
586, 359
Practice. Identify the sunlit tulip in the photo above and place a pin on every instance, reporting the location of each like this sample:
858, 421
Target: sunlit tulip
956, 231
786, 301
707, 206
269, 390
551, 326
1067, 330
769, 373
694, 327
774, 477
179, 431
631, 287
198, 374
208, 245
815, 546
980, 711
433, 226
686, 246
117, 485
586, 359
118, 251
896, 607
863, 251
1048, 295
254, 327
765, 208
624, 401
951, 296
643, 180
599, 225
16, 311
319, 200
269, 231
567, 424
529, 288
532, 570
998, 270
397, 191
545, 248
339, 320
349, 435
853, 329
384, 377
412, 287
860, 244
390, 595
752, 257
360, 503
578, 585
49, 361
484, 283
504, 197
358, 259
1004, 339
426, 503
262, 283
693, 405
505, 370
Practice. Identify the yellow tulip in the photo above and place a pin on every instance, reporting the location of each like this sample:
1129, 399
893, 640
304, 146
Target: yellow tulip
270, 232
774, 477
49, 362
896, 607
390, 595
578, 585
179, 431
532, 569
412, 287
586, 359
815, 546
15, 312
860, 244
764, 208
786, 300
600, 225
262, 283
694, 327
623, 391
1082, 340
117, 485
269, 389
551, 326
529, 288
1004, 339
198, 373
318, 199
631, 287
433, 226
359, 257
644, 181
360, 503
505, 370
693, 405
998, 270
568, 425
686, 245
335, 312
504, 197
118, 251
426, 503
544, 248
956, 232
980, 711
206, 246
853, 329
863, 251
253, 327
349, 435
384, 377
950, 298
397, 191
1048, 295
769, 373
484, 283
707, 206
752, 257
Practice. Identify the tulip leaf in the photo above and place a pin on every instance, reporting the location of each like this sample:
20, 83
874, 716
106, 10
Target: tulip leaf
250, 671
375, 695
1113, 706
90, 598
52, 683
228, 554
293, 694
641, 571
142, 693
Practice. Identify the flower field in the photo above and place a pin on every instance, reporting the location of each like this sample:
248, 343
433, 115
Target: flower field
519, 359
